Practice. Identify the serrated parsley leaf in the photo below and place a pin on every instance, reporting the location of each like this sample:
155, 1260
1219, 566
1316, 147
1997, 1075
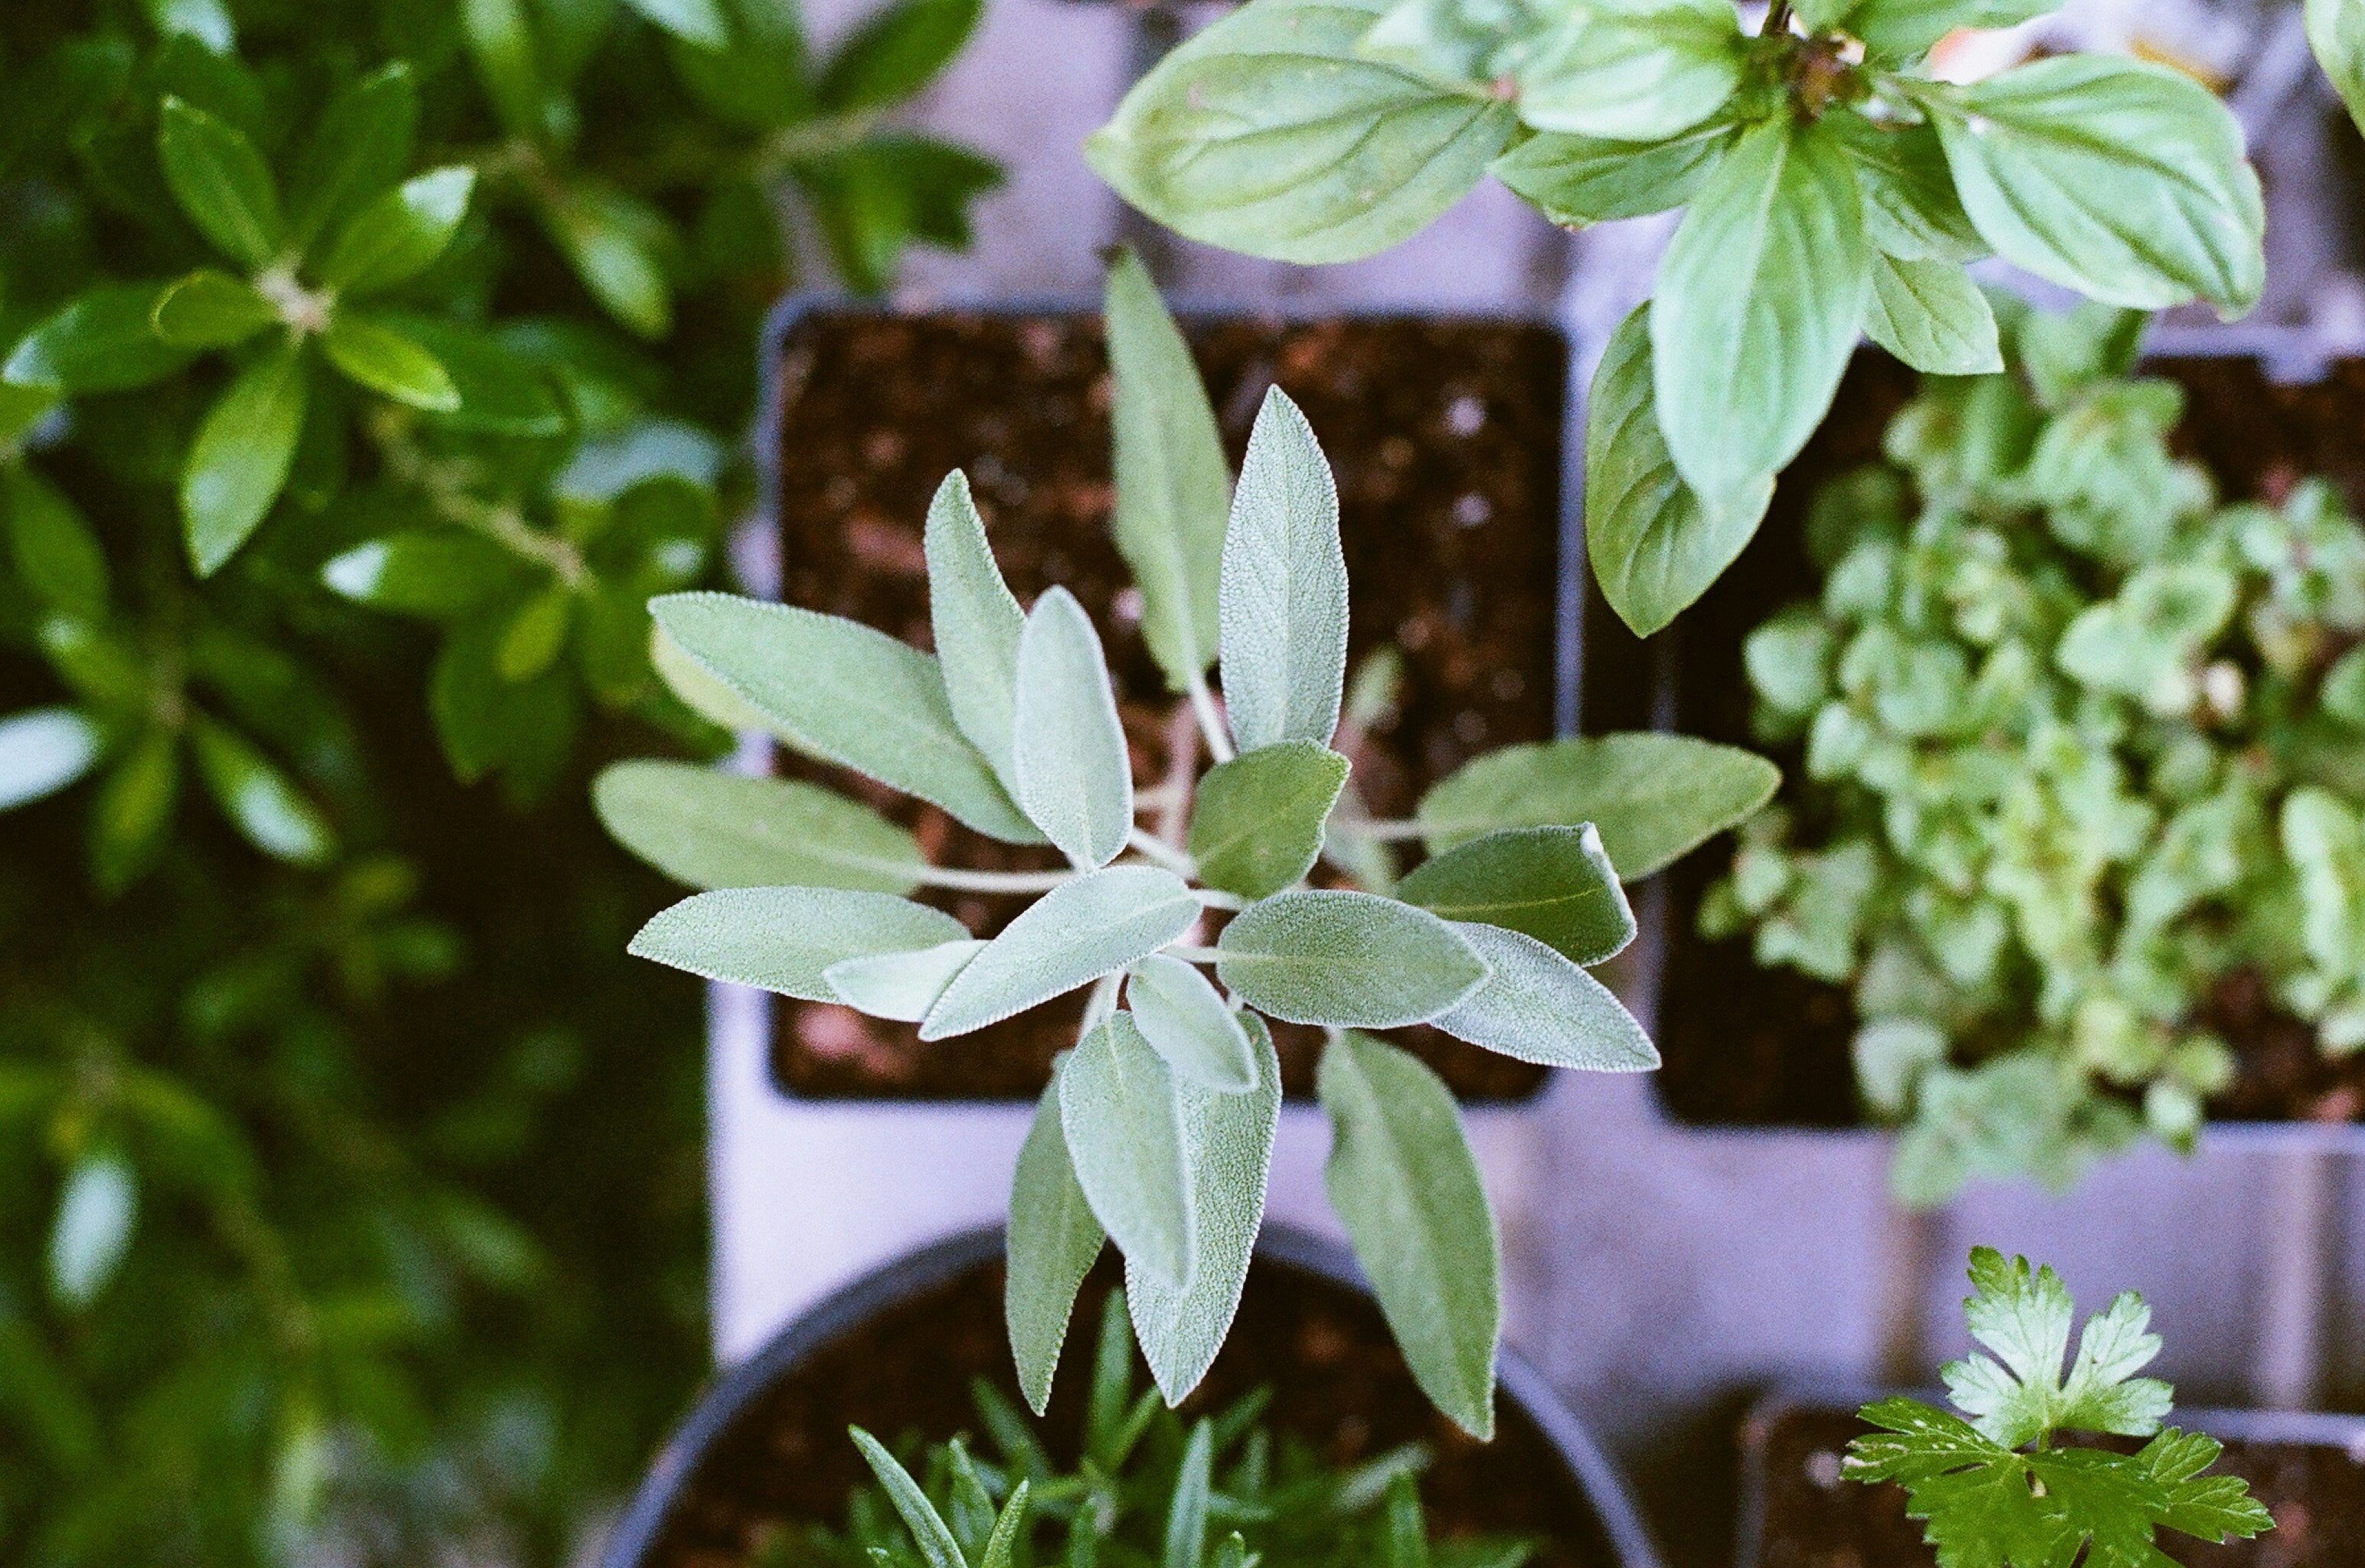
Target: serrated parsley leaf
1993, 1491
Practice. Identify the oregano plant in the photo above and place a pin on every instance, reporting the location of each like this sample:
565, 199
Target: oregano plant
1158, 1126
1996, 1486
1830, 185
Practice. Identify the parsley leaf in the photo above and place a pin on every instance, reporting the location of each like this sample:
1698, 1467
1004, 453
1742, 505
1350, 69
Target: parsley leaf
1993, 1493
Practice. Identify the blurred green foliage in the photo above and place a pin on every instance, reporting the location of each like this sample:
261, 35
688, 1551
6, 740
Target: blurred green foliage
364, 364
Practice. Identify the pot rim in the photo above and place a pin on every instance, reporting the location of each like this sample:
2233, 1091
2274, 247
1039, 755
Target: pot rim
730, 1394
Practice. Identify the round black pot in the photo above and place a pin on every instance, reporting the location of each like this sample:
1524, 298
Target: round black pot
1615, 1528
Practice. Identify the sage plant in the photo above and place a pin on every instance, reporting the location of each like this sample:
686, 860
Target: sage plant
1158, 1126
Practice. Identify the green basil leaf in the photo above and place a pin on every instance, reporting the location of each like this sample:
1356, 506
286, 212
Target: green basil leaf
1636, 72
1283, 594
1053, 1241
840, 692
1075, 780
1456, 44
210, 309
1902, 31
57, 555
896, 53
1124, 1129
435, 572
1402, 1179
783, 939
2336, 31
1576, 180
103, 340
1173, 487
1932, 315
221, 182
42, 750
1757, 307
901, 986
134, 810
977, 623
400, 234
1072, 936
1910, 208
373, 354
258, 799
693, 21
1256, 825
1656, 545
712, 830
1188, 1023
1348, 960
611, 242
1555, 884
928, 1529
361, 145
1537, 1006
1654, 798
1265, 133
1227, 1149
239, 463
500, 392
2123, 180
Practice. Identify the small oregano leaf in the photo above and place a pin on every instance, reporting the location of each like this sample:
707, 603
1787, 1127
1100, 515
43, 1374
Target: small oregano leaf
1075, 780
714, 830
977, 622
785, 939
1653, 796
1053, 1238
1188, 1022
1072, 936
1256, 823
1537, 1006
1124, 1127
1403, 1181
1283, 593
837, 690
1173, 489
220, 182
1228, 1150
1555, 884
1346, 958
1655, 543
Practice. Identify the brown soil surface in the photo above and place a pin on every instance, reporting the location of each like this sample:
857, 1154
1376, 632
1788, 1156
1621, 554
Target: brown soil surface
1752, 1047
1817, 1519
1446, 438
1338, 1382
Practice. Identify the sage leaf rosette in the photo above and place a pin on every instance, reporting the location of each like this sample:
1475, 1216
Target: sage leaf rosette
1829, 187
1188, 915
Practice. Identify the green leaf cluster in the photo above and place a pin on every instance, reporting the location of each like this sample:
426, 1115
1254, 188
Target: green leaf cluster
2084, 756
1158, 1126
1829, 187
1149, 1490
1991, 1485
434, 312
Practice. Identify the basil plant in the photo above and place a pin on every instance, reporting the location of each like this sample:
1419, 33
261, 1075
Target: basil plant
1829, 187
2085, 768
1157, 1128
